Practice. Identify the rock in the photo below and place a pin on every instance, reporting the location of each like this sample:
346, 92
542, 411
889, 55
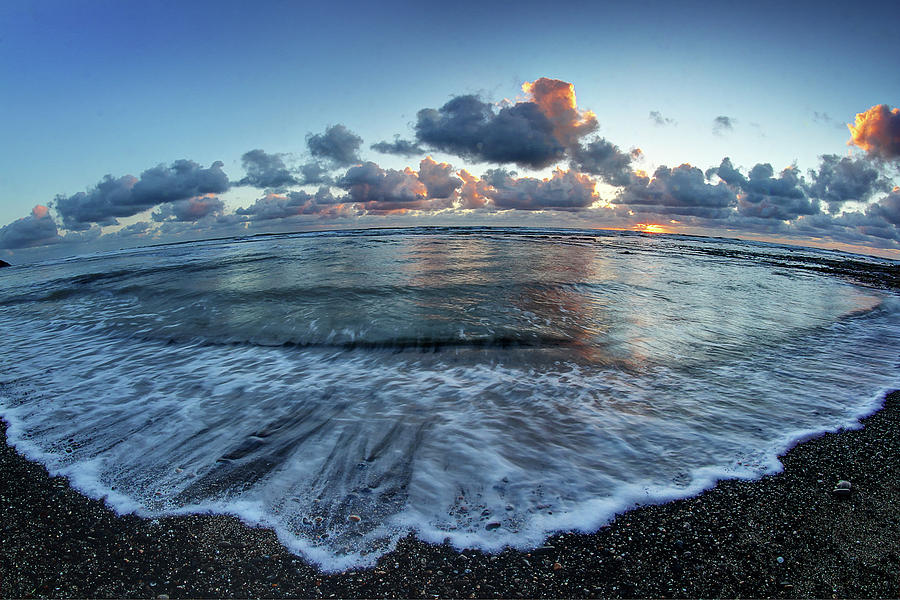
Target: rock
355, 518
492, 525
842, 488
3, 263
557, 566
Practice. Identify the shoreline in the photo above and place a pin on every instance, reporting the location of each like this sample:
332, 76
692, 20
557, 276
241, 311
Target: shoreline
727, 541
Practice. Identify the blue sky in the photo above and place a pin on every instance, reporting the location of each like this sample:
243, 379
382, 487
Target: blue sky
96, 88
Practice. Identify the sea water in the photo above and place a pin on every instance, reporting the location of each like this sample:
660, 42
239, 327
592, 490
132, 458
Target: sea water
482, 387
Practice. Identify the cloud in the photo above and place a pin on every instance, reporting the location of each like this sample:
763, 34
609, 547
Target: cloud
877, 131
565, 190
473, 192
127, 196
680, 191
282, 206
439, 179
535, 133
192, 209
266, 170
556, 99
660, 120
845, 179
135, 230
37, 229
338, 145
888, 208
603, 158
109, 199
764, 196
723, 124
378, 190
400, 147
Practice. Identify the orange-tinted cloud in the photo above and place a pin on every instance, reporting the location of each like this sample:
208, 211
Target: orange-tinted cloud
556, 99
40, 211
473, 193
877, 131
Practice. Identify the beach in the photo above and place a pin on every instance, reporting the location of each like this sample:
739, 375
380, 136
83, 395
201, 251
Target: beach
785, 535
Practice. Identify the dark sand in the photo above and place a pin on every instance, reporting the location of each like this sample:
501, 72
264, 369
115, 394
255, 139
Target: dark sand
782, 536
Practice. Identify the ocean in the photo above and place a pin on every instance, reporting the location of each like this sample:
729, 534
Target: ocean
483, 387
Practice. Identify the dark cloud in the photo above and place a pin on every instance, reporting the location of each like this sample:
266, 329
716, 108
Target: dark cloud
565, 190
400, 147
877, 131
182, 179
603, 158
37, 229
660, 120
338, 145
439, 178
532, 134
845, 179
679, 191
722, 124
282, 206
382, 190
314, 173
762, 195
192, 209
127, 196
888, 208
468, 127
266, 170
849, 228
110, 198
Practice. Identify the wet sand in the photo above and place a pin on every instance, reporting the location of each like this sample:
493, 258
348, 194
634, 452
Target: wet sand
786, 535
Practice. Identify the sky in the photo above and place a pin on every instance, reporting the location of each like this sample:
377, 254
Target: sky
131, 123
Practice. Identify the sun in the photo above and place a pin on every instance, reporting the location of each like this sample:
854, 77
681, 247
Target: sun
651, 228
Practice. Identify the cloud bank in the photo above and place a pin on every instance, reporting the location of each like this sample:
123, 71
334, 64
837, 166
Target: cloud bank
850, 199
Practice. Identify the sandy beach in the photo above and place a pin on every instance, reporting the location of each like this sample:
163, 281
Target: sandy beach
786, 535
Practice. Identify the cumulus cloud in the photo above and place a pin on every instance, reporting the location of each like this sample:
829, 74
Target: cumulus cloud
109, 199
127, 196
877, 131
535, 133
282, 206
844, 179
378, 190
37, 229
473, 193
722, 125
659, 120
556, 99
888, 208
338, 145
192, 209
603, 158
680, 191
565, 190
439, 178
762, 195
400, 147
266, 170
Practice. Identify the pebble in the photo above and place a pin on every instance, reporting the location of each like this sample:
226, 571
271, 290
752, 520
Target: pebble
492, 525
355, 518
780, 559
842, 488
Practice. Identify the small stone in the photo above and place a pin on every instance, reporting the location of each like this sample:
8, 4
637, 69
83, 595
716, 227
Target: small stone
355, 518
162, 597
557, 566
492, 525
843, 484
779, 560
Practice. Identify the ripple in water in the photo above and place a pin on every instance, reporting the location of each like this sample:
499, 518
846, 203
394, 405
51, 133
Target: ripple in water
486, 387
